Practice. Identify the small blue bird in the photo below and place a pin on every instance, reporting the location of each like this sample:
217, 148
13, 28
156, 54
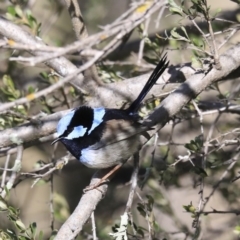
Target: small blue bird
105, 137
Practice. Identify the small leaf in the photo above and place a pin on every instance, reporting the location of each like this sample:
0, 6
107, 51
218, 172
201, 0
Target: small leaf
11, 10
31, 90
178, 36
198, 42
199, 141
141, 210
196, 63
31, 20
237, 230
33, 228
217, 12
189, 208
174, 8
13, 212
185, 32
18, 11
150, 199
3, 205
7, 80
40, 236
191, 146
20, 225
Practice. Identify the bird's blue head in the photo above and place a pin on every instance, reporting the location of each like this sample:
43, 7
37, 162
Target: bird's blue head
79, 122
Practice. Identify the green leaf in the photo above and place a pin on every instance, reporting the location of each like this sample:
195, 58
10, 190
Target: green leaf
31, 20
195, 2
237, 230
13, 212
150, 199
11, 10
191, 146
24, 238
20, 225
141, 209
19, 11
196, 144
177, 36
190, 208
197, 41
196, 63
199, 141
150, 202
33, 228
3, 206
31, 89
174, 8
7, 80
40, 235
185, 32
217, 12
11, 234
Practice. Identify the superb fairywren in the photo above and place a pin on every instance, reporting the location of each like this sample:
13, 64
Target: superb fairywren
105, 137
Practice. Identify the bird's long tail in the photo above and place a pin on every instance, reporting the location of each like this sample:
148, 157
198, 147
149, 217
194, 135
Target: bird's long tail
158, 71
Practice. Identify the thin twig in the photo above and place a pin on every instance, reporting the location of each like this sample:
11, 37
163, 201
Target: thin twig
81, 33
16, 169
93, 226
84, 46
142, 43
51, 202
228, 38
51, 88
134, 183
200, 30
5, 170
234, 161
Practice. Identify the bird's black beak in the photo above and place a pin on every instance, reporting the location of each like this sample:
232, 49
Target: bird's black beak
56, 140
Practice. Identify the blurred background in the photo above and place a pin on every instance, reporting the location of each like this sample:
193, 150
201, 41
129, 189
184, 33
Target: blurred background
172, 185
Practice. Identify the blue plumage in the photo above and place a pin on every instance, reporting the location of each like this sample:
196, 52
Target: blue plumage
79, 130
98, 114
64, 122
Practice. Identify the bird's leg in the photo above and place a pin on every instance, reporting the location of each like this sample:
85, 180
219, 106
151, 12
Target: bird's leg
103, 179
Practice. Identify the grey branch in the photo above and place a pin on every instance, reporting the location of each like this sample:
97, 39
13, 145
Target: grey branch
115, 93
61, 65
82, 212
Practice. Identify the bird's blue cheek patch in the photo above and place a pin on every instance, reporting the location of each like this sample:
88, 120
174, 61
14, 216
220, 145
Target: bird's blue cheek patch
77, 132
97, 118
64, 122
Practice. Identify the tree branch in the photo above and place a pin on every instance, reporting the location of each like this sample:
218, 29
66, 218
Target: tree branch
114, 94
61, 65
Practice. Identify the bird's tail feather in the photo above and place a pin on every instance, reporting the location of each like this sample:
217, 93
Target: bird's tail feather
158, 71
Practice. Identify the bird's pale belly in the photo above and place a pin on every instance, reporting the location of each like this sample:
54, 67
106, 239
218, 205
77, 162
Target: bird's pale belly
110, 155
